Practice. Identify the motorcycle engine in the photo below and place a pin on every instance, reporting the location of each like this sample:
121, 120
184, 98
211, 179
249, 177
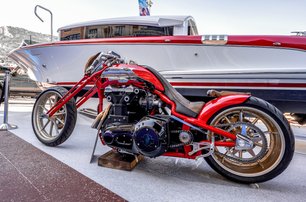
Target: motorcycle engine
129, 127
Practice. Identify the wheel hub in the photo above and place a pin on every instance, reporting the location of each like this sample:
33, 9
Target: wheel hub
243, 143
248, 136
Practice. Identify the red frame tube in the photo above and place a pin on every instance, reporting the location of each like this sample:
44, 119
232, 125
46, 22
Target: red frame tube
74, 91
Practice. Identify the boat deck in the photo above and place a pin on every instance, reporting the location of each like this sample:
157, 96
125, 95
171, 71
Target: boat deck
29, 164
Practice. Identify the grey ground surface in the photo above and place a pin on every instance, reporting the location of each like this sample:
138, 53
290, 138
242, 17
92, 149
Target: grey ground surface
163, 178
29, 174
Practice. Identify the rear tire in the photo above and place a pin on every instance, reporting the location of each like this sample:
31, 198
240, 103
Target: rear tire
273, 139
57, 129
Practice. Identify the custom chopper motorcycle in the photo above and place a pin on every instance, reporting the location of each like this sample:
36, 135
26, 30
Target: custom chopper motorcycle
241, 137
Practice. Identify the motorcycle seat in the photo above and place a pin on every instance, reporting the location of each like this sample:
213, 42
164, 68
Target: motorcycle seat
183, 106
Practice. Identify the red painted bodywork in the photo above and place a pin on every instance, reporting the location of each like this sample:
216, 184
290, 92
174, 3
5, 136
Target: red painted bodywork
146, 75
215, 105
295, 42
208, 110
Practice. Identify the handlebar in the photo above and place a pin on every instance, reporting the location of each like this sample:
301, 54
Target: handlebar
109, 59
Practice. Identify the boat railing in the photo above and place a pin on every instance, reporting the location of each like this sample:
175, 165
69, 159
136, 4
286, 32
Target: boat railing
35, 11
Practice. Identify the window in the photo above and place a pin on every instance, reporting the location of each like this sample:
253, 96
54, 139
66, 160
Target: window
71, 37
92, 33
71, 34
110, 31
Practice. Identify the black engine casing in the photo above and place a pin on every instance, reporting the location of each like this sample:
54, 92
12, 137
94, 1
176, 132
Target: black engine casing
151, 135
129, 128
119, 136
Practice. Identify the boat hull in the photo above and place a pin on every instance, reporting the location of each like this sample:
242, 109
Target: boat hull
274, 73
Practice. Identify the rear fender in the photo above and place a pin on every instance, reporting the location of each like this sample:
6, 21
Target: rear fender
213, 106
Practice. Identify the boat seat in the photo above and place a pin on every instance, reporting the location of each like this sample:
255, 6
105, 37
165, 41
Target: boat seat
183, 106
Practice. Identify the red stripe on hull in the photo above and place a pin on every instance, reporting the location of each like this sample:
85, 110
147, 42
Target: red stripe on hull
220, 84
265, 41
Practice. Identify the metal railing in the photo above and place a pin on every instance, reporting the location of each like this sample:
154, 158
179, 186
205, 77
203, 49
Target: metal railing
6, 126
35, 11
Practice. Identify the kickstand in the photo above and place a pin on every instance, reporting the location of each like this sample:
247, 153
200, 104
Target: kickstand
94, 149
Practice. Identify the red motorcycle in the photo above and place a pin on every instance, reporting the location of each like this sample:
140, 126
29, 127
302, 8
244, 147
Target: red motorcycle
242, 137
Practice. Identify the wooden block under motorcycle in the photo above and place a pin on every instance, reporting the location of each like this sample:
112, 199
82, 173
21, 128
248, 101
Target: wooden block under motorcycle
115, 160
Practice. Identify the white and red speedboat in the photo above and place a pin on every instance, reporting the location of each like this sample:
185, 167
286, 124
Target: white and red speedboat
270, 67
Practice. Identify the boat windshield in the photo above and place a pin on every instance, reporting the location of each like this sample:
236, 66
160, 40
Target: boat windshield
110, 31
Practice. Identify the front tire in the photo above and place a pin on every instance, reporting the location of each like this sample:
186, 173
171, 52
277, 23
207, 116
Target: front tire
272, 148
55, 130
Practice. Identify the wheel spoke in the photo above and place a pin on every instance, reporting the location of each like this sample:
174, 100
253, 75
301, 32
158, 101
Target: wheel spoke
253, 122
59, 113
256, 139
240, 154
53, 101
56, 98
60, 121
45, 125
223, 156
44, 108
241, 116
234, 152
56, 128
252, 152
270, 132
51, 128
227, 119
258, 144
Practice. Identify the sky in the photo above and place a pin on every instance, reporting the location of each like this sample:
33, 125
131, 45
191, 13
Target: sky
211, 16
